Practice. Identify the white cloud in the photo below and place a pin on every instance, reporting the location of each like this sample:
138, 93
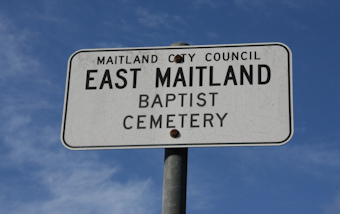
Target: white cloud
51, 11
12, 44
75, 182
334, 207
319, 158
207, 3
212, 35
315, 158
38, 174
90, 188
86, 186
109, 45
267, 4
152, 20
200, 192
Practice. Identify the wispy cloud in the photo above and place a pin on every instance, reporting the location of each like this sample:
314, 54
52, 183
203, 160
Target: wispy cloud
152, 20
38, 175
50, 12
317, 159
334, 206
266, 4
159, 19
13, 60
212, 35
68, 182
206, 3
109, 45
200, 197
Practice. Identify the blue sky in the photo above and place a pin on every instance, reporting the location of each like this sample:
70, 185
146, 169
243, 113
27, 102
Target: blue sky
39, 175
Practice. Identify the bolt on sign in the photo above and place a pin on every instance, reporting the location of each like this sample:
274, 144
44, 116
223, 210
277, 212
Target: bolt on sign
179, 96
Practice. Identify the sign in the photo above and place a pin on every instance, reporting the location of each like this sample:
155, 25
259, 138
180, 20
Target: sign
220, 95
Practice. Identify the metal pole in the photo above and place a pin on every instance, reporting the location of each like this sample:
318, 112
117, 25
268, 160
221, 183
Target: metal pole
175, 181
175, 177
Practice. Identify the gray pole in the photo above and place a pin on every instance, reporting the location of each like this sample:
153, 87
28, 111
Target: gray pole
175, 176
175, 181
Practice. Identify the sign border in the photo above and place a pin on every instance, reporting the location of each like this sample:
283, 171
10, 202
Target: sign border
160, 145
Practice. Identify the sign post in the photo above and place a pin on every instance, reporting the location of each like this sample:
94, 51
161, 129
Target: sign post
175, 174
175, 181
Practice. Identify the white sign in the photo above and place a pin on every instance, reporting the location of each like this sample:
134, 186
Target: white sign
221, 95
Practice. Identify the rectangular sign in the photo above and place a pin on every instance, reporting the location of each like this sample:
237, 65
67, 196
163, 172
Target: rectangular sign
220, 95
